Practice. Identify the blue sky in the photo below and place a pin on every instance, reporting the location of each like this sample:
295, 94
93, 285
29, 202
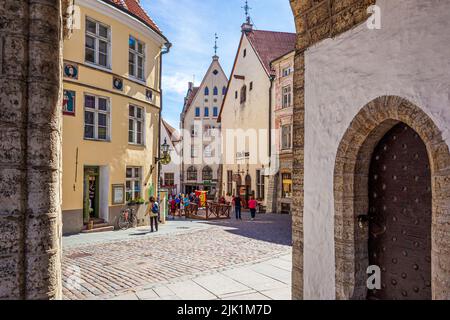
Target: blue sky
190, 26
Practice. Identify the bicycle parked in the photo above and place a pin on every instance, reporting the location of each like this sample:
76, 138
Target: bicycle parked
127, 219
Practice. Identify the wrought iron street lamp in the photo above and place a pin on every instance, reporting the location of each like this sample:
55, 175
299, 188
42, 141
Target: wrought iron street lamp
165, 159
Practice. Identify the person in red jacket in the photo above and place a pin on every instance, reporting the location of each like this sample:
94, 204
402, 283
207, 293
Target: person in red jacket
252, 204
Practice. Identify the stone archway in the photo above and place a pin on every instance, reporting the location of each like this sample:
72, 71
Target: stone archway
351, 199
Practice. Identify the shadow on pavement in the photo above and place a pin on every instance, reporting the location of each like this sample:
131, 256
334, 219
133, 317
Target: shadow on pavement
273, 228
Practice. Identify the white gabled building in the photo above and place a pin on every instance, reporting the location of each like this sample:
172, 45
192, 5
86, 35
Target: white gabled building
201, 155
247, 111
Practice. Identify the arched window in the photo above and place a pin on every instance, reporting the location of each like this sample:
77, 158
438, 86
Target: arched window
206, 91
192, 173
224, 91
216, 91
243, 94
206, 112
207, 173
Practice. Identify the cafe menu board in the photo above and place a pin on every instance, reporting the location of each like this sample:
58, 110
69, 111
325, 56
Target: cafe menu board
118, 193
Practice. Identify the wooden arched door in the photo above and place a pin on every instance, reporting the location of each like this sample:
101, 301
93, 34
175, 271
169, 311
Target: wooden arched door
400, 202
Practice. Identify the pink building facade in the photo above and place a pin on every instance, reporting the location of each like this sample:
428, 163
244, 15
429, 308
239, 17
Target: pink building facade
282, 121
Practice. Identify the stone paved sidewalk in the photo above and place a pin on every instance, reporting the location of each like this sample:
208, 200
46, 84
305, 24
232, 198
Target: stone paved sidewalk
114, 264
268, 280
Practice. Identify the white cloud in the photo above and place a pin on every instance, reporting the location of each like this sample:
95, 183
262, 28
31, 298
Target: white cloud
176, 83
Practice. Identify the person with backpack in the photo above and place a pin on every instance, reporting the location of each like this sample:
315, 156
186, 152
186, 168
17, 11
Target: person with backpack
153, 212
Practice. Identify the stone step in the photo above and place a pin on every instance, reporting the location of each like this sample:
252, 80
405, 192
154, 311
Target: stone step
99, 229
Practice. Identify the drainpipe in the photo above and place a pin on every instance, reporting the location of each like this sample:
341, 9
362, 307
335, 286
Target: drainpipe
272, 78
164, 50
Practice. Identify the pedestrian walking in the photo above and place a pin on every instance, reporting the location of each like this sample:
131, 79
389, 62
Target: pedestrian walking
178, 204
173, 207
185, 205
252, 204
153, 213
237, 207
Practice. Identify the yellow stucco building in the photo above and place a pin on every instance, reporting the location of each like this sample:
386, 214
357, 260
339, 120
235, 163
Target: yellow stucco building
112, 104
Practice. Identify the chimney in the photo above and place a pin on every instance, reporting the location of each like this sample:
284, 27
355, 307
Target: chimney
191, 85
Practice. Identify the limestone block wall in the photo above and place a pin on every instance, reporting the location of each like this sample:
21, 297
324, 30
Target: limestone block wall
346, 66
30, 149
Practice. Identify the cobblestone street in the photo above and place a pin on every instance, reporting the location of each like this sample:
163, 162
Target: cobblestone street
185, 260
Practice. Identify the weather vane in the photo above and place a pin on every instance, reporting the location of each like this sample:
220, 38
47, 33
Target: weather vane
215, 44
247, 11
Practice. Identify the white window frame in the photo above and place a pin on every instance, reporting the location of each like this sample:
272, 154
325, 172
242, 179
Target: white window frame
286, 144
136, 55
287, 96
135, 120
133, 180
97, 39
286, 71
96, 112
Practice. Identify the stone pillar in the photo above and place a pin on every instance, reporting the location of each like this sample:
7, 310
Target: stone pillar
30, 149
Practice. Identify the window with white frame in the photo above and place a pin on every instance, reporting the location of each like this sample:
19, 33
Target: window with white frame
136, 125
286, 137
98, 43
286, 71
96, 117
287, 96
133, 183
136, 58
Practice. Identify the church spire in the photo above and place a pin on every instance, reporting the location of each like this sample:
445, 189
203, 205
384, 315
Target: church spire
247, 25
247, 12
215, 57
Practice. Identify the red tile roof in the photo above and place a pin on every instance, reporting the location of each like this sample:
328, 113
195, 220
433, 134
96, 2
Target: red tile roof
270, 45
135, 9
191, 96
173, 134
